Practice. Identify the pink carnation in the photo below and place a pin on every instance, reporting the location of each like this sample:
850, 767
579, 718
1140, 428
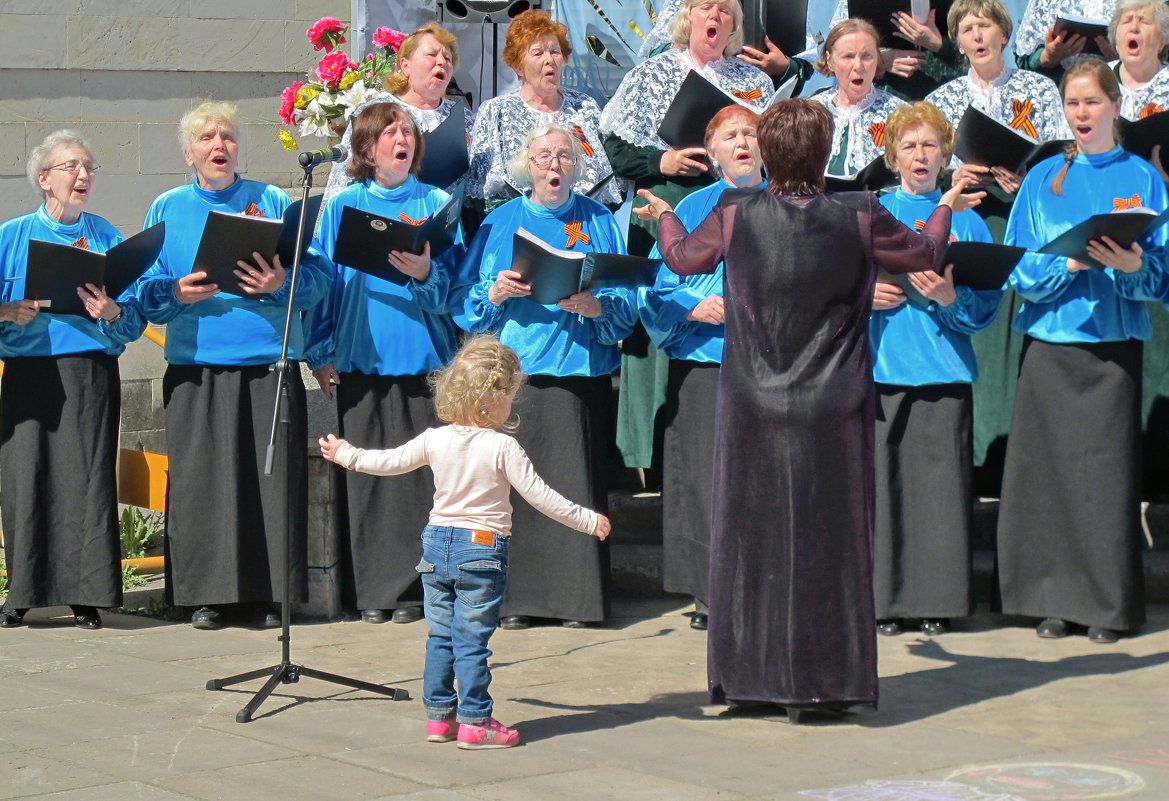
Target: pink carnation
288, 102
388, 37
333, 67
326, 33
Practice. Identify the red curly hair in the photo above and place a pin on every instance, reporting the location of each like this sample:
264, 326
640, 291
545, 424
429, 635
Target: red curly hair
527, 28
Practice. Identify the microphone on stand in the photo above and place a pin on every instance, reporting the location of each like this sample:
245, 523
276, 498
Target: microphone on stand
311, 158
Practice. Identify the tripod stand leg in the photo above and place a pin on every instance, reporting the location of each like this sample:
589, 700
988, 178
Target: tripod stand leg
278, 675
395, 693
219, 684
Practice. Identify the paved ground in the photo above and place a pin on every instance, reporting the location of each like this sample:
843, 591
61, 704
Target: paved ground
986, 714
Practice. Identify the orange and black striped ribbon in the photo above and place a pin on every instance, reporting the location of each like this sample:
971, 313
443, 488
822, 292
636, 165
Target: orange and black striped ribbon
575, 234
409, 221
1149, 110
579, 134
253, 210
877, 131
1122, 203
919, 225
751, 95
1022, 120
82, 243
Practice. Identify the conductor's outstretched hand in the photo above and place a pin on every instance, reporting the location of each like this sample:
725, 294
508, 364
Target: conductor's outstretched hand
654, 206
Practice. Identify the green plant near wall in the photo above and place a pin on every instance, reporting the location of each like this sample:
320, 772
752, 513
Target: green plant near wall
131, 577
137, 531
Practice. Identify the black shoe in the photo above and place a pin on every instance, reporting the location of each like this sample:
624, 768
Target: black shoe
207, 619
575, 624
11, 618
407, 614
889, 628
515, 622
1102, 636
374, 616
699, 621
932, 627
86, 617
1052, 628
265, 617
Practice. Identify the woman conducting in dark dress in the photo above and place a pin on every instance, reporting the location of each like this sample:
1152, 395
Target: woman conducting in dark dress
791, 598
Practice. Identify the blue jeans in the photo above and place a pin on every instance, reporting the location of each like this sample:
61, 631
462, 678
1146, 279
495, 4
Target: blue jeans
464, 573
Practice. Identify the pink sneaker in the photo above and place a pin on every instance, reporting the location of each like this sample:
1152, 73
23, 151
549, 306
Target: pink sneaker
491, 734
441, 731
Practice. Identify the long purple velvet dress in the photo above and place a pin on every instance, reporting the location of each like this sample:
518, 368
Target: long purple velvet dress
791, 565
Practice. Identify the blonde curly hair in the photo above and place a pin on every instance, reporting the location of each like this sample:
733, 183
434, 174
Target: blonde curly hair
470, 389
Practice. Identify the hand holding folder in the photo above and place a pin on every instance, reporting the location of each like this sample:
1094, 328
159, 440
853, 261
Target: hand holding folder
365, 240
55, 272
231, 238
1069, 25
555, 274
979, 266
1123, 228
986, 142
880, 14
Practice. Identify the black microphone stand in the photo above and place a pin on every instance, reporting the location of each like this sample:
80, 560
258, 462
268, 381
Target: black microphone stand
286, 672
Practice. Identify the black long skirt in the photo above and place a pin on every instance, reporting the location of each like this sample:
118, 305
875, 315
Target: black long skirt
58, 450
225, 520
688, 477
385, 515
921, 548
555, 571
1069, 526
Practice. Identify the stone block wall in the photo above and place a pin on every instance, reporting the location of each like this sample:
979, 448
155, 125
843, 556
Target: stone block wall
122, 72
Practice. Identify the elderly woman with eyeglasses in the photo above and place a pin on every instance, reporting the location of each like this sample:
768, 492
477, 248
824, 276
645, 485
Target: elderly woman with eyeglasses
59, 405
568, 350
536, 48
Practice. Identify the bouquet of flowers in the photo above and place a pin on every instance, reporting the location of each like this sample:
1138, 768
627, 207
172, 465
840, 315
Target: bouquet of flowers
338, 85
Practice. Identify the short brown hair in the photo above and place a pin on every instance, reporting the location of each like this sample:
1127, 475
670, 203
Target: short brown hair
795, 139
527, 28
367, 127
992, 10
920, 113
844, 28
397, 82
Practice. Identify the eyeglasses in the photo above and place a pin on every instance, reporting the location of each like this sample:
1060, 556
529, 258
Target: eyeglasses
73, 166
544, 160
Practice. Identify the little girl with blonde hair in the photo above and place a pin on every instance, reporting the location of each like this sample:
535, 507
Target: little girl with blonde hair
465, 544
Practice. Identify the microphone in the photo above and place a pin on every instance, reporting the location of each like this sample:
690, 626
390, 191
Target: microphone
311, 158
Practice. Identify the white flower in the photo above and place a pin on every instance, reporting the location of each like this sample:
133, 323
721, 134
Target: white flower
314, 122
353, 97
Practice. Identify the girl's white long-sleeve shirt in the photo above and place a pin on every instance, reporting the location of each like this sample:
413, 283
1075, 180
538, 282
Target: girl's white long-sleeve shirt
474, 471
